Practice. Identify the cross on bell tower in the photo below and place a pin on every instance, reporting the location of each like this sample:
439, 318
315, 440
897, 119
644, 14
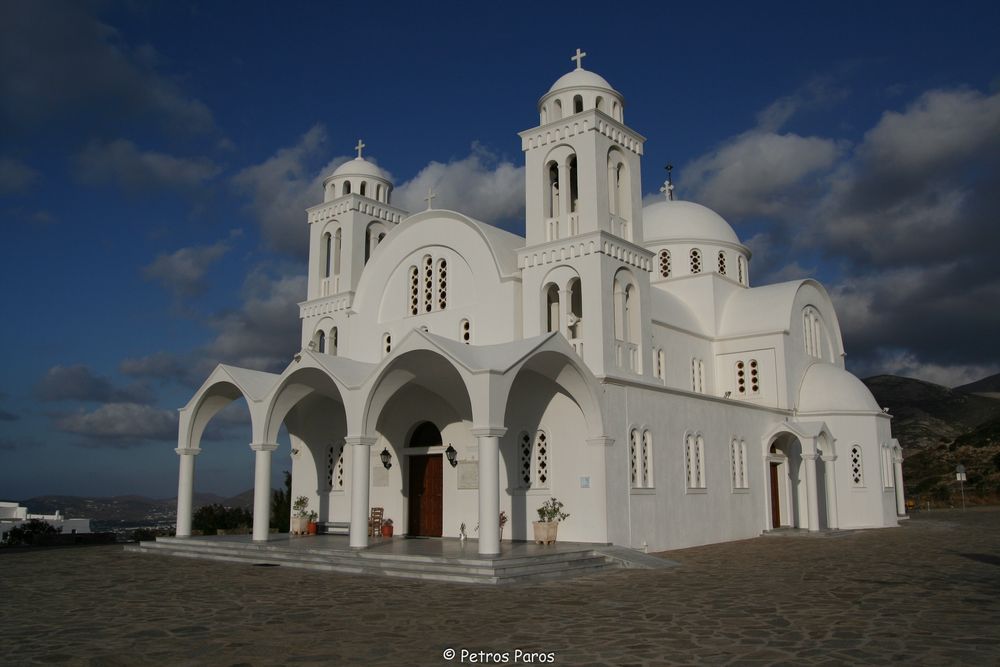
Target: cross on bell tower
580, 55
359, 147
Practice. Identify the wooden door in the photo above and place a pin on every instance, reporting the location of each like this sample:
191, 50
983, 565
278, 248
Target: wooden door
426, 497
775, 498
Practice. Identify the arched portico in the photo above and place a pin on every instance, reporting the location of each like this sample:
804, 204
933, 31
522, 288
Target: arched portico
795, 455
225, 385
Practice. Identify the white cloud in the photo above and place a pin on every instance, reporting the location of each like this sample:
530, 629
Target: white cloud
122, 163
113, 423
80, 383
478, 185
183, 271
15, 176
901, 362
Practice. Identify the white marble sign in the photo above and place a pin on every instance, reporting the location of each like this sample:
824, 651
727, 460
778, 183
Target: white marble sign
468, 475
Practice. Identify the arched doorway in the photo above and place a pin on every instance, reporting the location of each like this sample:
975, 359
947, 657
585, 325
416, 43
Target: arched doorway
784, 462
426, 485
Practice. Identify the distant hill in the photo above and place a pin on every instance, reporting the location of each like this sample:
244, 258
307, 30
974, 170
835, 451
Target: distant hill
989, 386
126, 508
939, 428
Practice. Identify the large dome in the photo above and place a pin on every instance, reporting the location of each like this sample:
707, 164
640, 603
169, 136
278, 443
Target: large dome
580, 78
685, 220
829, 388
359, 167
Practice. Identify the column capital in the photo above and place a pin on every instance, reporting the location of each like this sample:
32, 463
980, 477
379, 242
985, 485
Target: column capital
360, 440
188, 451
601, 441
488, 431
263, 446
829, 458
809, 457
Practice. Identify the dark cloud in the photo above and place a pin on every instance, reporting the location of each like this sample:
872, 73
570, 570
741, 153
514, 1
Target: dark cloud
120, 425
908, 218
122, 163
15, 176
58, 61
8, 416
79, 383
182, 272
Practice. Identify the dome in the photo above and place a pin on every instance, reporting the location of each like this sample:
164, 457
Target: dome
580, 78
677, 220
829, 388
359, 167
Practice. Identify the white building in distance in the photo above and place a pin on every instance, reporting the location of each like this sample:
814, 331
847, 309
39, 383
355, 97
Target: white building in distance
617, 358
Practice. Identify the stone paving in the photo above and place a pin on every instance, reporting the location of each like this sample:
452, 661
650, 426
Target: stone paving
927, 593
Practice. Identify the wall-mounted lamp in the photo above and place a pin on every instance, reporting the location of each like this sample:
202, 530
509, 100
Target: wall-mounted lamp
728, 394
452, 455
386, 458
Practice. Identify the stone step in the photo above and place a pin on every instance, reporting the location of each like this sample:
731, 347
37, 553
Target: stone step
335, 528
465, 570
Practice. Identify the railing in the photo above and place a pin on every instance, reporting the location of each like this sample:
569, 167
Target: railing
627, 355
551, 229
577, 344
329, 285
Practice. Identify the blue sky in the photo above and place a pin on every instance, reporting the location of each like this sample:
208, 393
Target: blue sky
155, 161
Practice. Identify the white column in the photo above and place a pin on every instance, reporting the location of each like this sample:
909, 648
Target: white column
488, 441
262, 489
185, 489
811, 500
360, 482
900, 493
829, 468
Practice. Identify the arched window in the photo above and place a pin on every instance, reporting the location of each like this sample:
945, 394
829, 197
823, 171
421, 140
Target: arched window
556, 110
334, 341
632, 325
722, 263
347, 188
695, 260
738, 463
327, 254
697, 375
533, 453
363, 188
641, 455
378, 191
551, 308
428, 284
620, 193
552, 189
574, 192
545, 115
694, 461
386, 344
321, 342
615, 112
662, 358
812, 332
575, 324
600, 104
335, 467
747, 378
577, 103
665, 264
741, 265
857, 467
465, 331
442, 286
336, 251
414, 290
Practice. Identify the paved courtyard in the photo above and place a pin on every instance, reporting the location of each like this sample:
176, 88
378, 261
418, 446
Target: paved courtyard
925, 593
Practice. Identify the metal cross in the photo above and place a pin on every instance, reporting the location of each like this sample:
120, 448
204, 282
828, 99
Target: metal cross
579, 58
359, 147
668, 185
430, 197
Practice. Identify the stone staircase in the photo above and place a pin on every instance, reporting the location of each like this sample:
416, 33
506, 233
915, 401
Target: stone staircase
508, 569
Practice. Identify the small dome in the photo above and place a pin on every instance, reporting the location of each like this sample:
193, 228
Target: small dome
829, 388
359, 167
580, 78
676, 220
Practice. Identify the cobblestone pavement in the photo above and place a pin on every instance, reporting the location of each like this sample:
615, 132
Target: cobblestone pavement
927, 593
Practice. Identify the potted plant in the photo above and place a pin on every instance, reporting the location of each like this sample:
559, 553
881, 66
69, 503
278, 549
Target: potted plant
311, 527
549, 516
300, 517
503, 522
387, 528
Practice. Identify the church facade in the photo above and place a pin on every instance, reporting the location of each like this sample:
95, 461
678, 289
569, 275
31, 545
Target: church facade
616, 358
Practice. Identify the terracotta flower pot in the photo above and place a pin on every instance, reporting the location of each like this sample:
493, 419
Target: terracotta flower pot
311, 528
386, 530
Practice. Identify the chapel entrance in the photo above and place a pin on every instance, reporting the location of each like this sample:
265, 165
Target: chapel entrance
775, 498
425, 496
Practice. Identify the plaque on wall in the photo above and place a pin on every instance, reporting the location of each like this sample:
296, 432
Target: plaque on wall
468, 475
380, 476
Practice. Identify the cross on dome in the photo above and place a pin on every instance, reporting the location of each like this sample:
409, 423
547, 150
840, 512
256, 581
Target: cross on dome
579, 58
430, 197
668, 185
359, 147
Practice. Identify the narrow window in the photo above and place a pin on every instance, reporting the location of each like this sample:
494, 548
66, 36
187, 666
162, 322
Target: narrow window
575, 324
722, 263
386, 344
741, 268
857, 467
600, 104
577, 103
754, 378
428, 284
552, 308
334, 342
553, 191
633, 441
662, 354
744, 474
378, 191
574, 190
414, 290
695, 260
335, 467
336, 252
321, 342
541, 460
363, 188
465, 331
347, 187
741, 378
327, 255
647, 459
557, 110
442, 271
699, 463
525, 451
664, 263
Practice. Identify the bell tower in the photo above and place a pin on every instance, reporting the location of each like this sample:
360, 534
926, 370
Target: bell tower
584, 270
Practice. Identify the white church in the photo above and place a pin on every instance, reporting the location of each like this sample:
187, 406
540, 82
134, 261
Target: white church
616, 358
